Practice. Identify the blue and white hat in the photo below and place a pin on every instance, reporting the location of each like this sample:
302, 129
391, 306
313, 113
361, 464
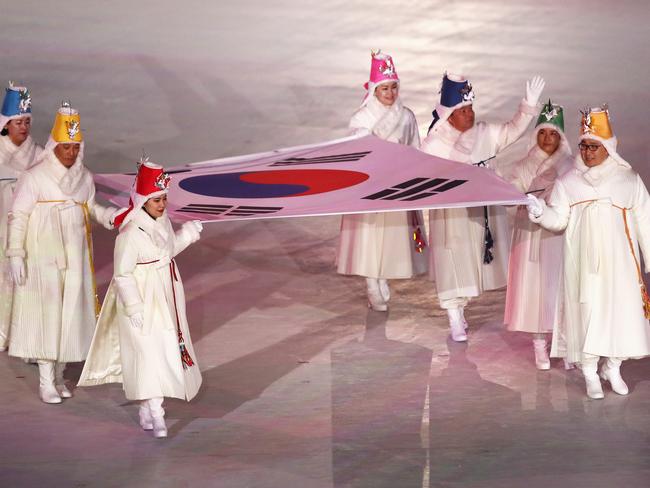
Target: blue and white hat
17, 103
455, 92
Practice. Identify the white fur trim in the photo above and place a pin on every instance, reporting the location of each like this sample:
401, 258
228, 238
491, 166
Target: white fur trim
138, 202
610, 144
371, 90
445, 112
6, 118
51, 144
546, 125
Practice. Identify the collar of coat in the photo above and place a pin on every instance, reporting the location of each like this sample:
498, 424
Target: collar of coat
159, 230
20, 157
68, 179
596, 174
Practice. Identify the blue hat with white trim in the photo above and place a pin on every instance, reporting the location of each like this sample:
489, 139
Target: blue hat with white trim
17, 103
455, 92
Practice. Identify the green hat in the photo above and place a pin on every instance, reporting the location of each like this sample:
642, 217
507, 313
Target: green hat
551, 114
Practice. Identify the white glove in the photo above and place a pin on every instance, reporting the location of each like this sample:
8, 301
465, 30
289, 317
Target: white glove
137, 320
198, 225
535, 207
194, 226
17, 270
534, 88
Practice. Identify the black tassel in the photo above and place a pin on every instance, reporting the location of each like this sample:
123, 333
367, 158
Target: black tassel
488, 242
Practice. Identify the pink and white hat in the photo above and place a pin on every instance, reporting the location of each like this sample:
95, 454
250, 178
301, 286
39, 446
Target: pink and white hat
382, 70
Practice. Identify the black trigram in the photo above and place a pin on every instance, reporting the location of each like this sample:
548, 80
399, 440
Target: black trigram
416, 189
334, 158
238, 211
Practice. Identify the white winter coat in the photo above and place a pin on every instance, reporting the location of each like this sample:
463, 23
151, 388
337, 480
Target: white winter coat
535, 263
53, 313
602, 310
456, 235
146, 280
14, 160
380, 244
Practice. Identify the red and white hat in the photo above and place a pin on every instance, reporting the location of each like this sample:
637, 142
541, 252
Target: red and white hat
150, 182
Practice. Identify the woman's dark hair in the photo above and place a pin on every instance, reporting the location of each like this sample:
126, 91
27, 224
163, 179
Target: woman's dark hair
4, 131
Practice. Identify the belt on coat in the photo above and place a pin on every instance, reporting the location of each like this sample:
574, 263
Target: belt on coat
186, 359
644, 292
56, 222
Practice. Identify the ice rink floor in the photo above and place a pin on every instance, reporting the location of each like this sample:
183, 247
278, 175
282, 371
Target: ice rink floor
303, 386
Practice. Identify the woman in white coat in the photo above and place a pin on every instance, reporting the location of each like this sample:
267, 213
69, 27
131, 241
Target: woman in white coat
379, 246
50, 254
536, 253
463, 261
142, 337
603, 207
18, 151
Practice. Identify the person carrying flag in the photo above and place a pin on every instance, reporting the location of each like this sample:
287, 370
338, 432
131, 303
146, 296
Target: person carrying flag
382, 245
469, 246
142, 339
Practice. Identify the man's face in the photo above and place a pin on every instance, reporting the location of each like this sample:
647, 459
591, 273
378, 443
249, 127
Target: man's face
462, 119
386, 93
548, 140
67, 153
592, 152
156, 206
18, 129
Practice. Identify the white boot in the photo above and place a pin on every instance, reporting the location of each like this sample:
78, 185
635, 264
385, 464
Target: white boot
146, 421
47, 390
375, 299
567, 365
542, 362
384, 290
157, 417
60, 382
456, 325
611, 372
462, 314
159, 427
594, 388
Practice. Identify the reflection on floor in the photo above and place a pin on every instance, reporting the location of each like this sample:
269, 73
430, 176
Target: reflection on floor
303, 386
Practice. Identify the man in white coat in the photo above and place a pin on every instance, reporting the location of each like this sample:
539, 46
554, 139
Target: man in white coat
50, 252
18, 152
603, 207
467, 256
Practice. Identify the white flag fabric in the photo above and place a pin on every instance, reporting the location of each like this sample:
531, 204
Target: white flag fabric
350, 175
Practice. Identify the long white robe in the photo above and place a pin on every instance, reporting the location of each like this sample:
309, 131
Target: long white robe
14, 160
534, 269
380, 244
146, 280
53, 313
602, 310
456, 235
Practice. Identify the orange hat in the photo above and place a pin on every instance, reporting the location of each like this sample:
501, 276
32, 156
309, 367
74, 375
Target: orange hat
595, 123
67, 126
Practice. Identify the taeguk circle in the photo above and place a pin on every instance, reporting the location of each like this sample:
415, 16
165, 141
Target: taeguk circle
272, 184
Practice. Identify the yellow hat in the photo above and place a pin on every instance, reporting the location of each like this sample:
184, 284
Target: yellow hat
595, 122
67, 128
